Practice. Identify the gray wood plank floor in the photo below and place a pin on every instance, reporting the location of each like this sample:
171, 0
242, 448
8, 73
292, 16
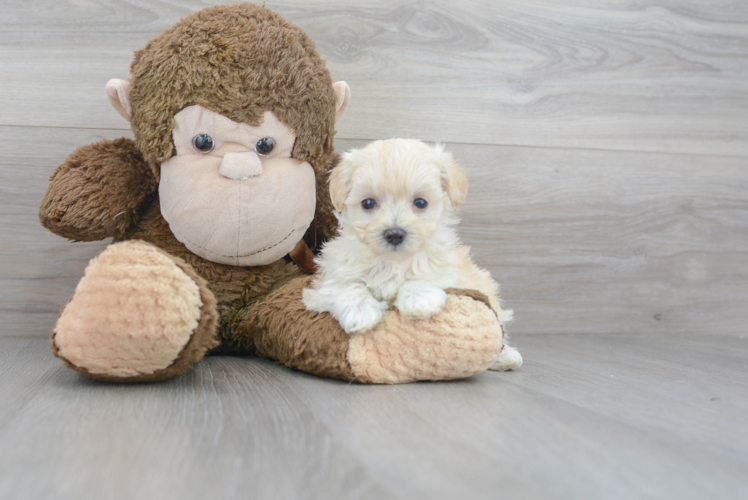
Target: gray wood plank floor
598, 417
607, 148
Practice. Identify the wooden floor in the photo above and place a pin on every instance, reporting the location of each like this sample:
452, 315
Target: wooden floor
588, 417
607, 148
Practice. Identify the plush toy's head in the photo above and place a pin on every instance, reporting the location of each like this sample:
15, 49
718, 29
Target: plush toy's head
235, 111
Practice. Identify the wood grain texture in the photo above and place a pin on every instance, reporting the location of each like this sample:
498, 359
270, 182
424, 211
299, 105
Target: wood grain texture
38, 270
613, 416
630, 74
601, 242
169, 440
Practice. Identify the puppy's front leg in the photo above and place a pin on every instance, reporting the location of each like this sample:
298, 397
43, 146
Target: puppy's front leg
350, 303
357, 310
420, 299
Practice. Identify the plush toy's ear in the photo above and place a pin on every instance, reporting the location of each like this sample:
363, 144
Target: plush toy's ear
454, 179
118, 92
342, 98
340, 183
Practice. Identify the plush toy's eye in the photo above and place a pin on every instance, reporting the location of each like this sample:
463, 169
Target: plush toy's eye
203, 143
368, 204
264, 146
421, 203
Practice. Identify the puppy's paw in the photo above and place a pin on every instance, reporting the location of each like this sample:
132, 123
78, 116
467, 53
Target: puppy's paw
509, 359
362, 317
420, 301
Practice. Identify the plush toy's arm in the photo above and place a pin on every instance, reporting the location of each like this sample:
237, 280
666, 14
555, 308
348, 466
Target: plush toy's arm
98, 191
462, 340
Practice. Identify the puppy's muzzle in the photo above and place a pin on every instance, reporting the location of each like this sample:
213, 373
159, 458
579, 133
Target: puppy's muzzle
394, 236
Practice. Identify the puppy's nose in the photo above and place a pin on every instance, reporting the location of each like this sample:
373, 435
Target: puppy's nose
240, 166
394, 236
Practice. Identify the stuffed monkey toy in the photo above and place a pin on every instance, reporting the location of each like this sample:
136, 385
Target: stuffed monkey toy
215, 210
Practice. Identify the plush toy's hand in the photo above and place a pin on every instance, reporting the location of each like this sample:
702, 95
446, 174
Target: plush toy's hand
98, 191
420, 299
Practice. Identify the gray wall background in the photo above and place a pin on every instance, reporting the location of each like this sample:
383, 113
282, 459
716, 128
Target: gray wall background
606, 142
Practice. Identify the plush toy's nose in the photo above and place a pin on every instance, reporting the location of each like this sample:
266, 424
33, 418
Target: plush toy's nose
240, 166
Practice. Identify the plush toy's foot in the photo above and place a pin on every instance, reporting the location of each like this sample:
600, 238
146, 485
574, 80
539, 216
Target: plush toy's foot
463, 339
138, 314
509, 359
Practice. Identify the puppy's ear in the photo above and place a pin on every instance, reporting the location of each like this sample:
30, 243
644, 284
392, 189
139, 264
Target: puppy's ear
340, 182
453, 178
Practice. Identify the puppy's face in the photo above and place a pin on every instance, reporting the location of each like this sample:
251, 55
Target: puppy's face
395, 194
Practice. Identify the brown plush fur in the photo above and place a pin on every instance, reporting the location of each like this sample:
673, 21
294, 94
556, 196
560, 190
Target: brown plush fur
316, 343
98, 192
239, 61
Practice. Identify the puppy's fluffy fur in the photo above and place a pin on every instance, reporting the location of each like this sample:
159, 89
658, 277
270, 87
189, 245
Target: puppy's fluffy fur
396, 201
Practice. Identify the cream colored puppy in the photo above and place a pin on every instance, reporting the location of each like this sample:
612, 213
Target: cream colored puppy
396, 201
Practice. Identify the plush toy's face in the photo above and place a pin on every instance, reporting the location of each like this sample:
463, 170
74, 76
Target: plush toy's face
235, 112
232, 194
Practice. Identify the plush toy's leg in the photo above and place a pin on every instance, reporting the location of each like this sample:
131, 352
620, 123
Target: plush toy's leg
462, 340
138, 314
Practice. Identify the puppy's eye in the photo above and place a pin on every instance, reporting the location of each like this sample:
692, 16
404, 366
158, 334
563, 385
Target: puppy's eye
203, 143
368, 204
264, 146
421, 203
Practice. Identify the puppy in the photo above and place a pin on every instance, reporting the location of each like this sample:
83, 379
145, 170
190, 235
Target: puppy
395, 202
